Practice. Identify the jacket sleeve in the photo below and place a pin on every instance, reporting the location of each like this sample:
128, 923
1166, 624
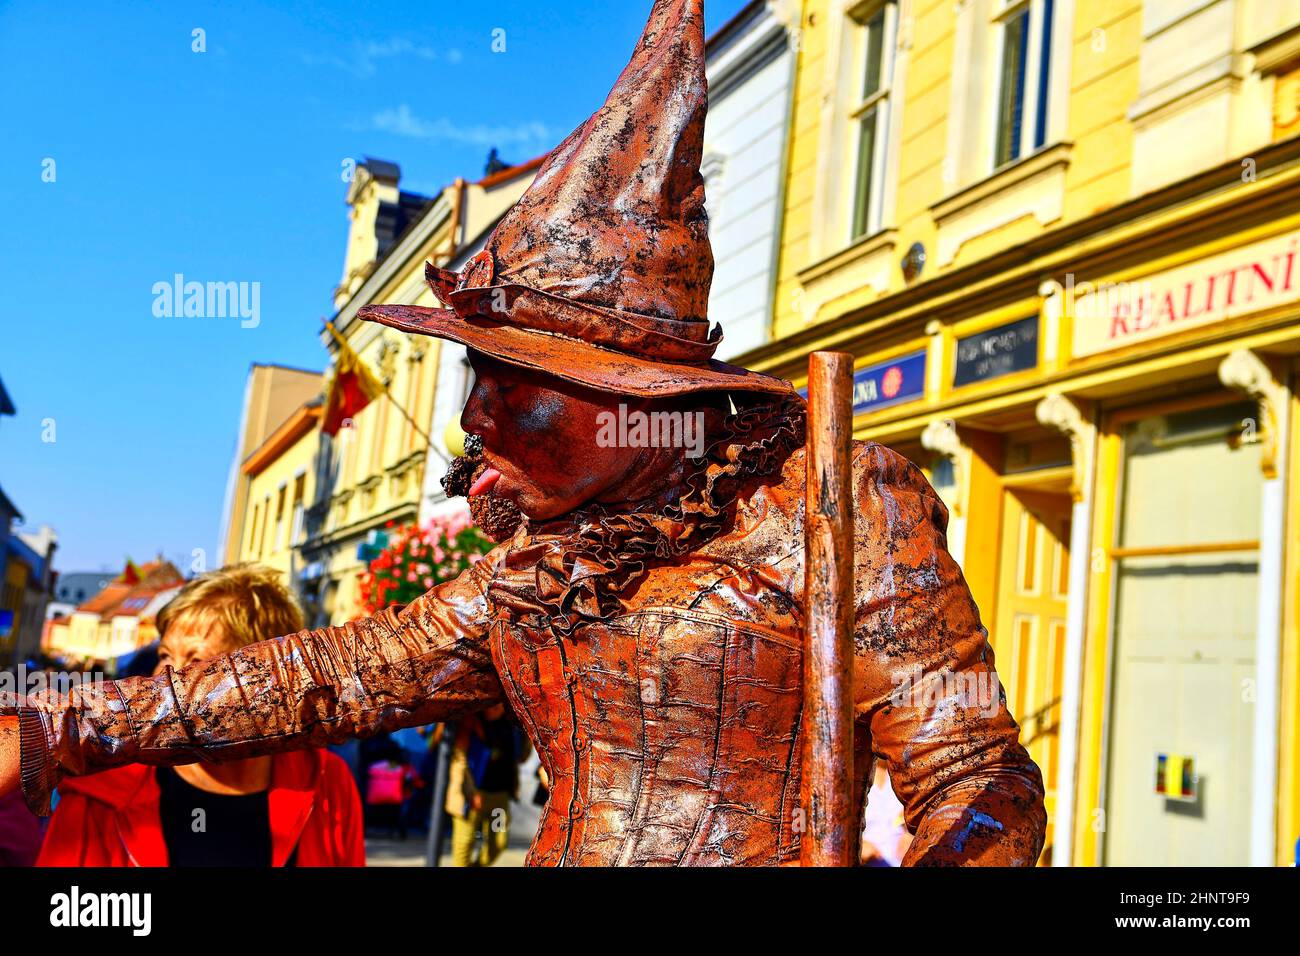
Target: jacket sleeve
429, 663
68, 835
926, 689
348, 820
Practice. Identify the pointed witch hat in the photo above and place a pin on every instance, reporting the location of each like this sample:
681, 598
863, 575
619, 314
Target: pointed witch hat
600, 273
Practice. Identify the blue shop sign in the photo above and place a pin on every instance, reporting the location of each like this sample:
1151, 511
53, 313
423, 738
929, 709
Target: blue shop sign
887, 383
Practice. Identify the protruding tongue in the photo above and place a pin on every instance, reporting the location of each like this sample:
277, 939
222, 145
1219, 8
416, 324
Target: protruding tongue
484, 482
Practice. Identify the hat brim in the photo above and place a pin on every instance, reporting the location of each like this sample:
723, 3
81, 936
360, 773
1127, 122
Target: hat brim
572, 359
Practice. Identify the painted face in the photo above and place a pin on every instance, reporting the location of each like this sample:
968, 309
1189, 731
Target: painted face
540, 433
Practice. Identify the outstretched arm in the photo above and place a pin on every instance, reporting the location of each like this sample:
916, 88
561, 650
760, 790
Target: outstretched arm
429, 663
925, 685
8, 754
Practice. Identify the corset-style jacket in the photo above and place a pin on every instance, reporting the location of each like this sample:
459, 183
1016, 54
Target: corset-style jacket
671, 730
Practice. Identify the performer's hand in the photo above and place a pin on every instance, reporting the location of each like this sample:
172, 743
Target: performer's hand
8, 755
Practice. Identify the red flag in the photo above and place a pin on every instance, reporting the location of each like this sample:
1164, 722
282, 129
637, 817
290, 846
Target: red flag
353, 388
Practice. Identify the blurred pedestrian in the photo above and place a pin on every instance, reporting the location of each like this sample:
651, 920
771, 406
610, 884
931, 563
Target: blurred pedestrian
484, 778
390, 783
20, 832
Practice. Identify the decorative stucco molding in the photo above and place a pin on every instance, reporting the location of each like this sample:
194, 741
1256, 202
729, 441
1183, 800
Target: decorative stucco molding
1244, 371
1061, 414
941, 437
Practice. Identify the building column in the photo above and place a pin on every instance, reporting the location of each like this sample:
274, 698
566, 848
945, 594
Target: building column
936, 359
1058, 412
1247, 372
976, 510
940, 437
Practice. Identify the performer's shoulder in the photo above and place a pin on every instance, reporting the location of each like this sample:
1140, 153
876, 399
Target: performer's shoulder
880, 464
872, 463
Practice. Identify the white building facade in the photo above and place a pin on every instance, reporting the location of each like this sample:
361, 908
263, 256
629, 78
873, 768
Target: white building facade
750, 64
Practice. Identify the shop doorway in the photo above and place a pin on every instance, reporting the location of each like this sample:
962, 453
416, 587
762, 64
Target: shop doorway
1029, 636
1184, 566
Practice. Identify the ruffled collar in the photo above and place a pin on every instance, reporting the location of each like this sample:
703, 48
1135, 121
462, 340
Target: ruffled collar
573, 570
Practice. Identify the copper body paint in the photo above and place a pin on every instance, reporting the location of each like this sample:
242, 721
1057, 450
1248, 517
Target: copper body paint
653, 653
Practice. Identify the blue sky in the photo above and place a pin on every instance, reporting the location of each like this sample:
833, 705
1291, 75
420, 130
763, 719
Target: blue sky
225, 165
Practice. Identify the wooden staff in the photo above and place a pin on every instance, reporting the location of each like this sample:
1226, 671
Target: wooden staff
829, 837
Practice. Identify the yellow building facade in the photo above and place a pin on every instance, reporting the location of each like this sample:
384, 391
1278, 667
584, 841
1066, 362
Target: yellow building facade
272, 394
1059, 239
118, 621
372, 473
13, 586
281, 475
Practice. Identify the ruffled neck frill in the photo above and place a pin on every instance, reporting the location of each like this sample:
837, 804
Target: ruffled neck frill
573, 570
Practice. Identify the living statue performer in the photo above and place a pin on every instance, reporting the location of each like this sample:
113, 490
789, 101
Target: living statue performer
642, 614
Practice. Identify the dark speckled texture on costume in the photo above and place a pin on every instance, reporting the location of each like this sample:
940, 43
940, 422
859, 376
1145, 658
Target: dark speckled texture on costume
657, 669
671, 729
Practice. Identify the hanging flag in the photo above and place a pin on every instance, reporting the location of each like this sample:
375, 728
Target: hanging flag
130, 574
353, 387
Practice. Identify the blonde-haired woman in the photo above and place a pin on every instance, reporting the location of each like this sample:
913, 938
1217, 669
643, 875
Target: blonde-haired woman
293, 809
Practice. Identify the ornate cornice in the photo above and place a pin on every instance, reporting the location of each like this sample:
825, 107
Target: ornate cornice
1061, 414
1244, 371
941, 437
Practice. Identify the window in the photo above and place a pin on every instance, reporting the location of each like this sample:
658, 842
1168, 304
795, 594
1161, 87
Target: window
870, 116
266, 520
279, 521
299, 496
1185, 560
252, 538
1023, 78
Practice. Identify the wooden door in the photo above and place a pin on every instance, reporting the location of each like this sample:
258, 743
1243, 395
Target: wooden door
1029, 636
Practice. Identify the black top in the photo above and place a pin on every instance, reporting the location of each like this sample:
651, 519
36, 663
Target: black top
502, 772
232, 830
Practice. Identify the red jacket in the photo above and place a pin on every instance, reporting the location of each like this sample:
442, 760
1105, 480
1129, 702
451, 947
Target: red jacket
111, 818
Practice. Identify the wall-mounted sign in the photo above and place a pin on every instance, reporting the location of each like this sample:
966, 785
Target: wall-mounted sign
1008, 348
1176, 777
1110, 315
373, 546
887, 383
913, 261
